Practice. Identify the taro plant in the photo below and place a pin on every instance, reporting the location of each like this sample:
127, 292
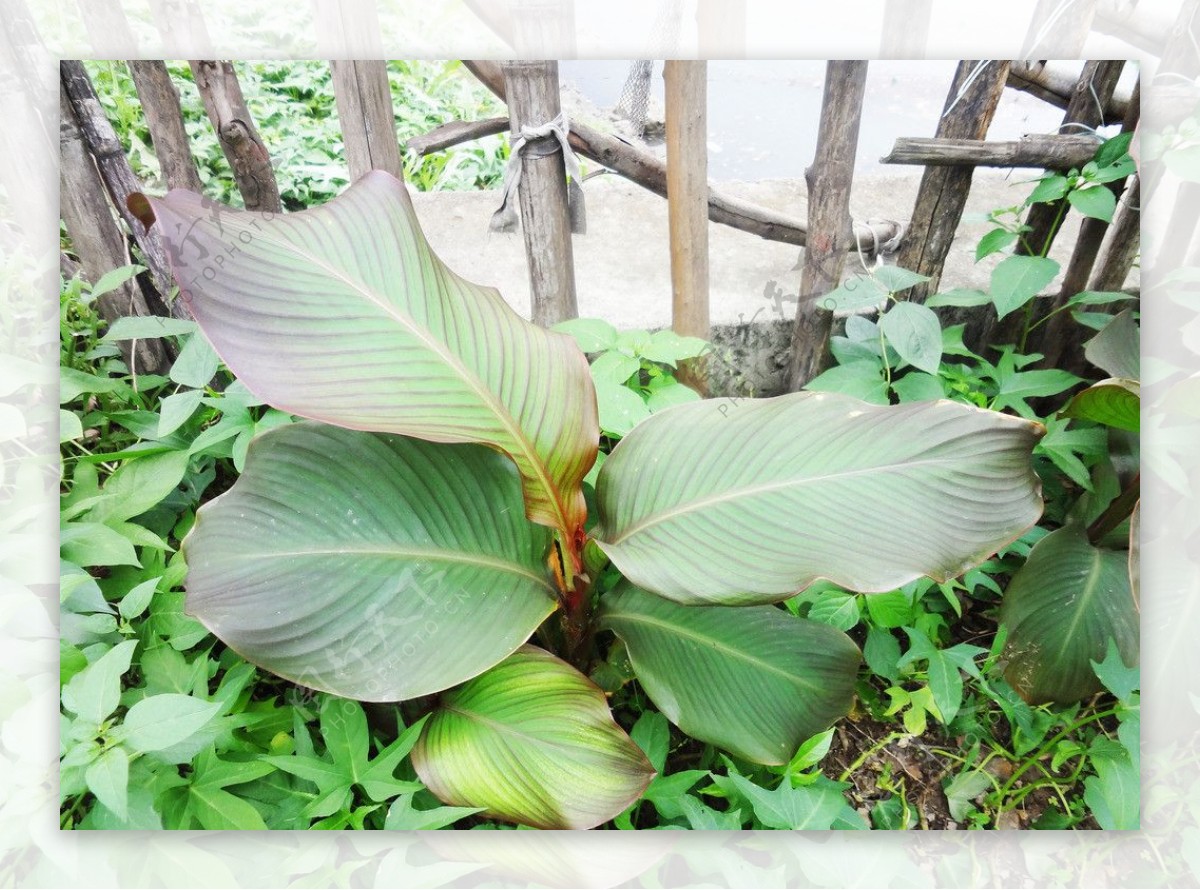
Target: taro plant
425, 536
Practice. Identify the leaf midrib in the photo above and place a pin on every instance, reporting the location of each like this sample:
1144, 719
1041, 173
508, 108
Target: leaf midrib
407, 553
767, 487
485, 394
641, 618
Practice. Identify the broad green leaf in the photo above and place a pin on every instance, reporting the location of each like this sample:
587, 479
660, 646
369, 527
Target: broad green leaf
613, 367
108, 779
835, 608
531, 741
670, 394
1114, 793
620, 408
1114, 149
807, 808
1117, 677
218, 810
95, 692
176, 409
1113, 402
95, 544
855, 294
1018, 386
1097, 202
138, 599
592, 334
114, 278
1052, 187
73, 383
702, 818
919, 387
964, 789
147, 326
1116, 349
896, 279
669, 348
652, 733
69, 426
1018, 279
861, 379
915, 333
372, 566
161, 721
197, 363
138, 486
994, 242
1061, 609
754, 681
343, 314
403, 816
739, 501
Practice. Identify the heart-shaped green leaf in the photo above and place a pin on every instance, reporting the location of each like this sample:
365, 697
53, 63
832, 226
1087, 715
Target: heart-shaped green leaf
739, 501
1114, 402
531, 741
1116, 348
1018, 279
756, 681
344, 314
1061, 609
371, 566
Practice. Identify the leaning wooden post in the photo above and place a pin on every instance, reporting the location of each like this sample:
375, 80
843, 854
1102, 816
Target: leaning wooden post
970, 106
244, 149
687, 201
533, 101
1093, 92
160, 103
830, 229
102, 142
96, 238
1092, 230
1123, 242
364, 103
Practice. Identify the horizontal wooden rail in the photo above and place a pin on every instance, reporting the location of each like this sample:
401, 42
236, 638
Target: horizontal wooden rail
1047, 152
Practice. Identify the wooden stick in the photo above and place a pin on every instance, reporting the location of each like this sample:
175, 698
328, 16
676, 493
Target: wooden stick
244, 149
96, 240
1091, 232
1055, 85
364, 103
1112, 268
686, 94
455, 133
101, 140
1042, 151
545, 221
943, 193
831, 232
646, 170
1092, 92
160, 103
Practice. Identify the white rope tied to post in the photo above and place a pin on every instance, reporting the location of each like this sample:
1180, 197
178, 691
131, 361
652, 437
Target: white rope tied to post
505, 217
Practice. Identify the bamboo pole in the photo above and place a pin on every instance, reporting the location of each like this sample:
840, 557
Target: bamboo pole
160, 104
364, 103
101, 140
686, 84
1055, 85
532, 88
243, 148
1053, 152
96, 239
644, 169
970, 106
831, 230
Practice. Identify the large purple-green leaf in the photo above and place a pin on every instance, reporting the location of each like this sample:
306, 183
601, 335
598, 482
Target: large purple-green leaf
754, 680
740, 501
345, 315
1061, 609
369, 565
531, 741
